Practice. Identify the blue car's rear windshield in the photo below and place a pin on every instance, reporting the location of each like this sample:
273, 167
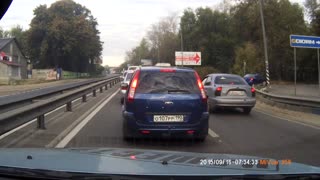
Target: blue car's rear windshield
229, 80
164, 82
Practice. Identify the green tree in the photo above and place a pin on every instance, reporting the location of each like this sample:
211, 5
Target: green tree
66, 35
282, 18
246, 59
209, 31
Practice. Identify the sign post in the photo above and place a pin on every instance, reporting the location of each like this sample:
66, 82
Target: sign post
301, 41
295, 71
318, 69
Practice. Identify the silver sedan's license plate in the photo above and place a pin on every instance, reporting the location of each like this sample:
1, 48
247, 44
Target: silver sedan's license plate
236, 93
168, 118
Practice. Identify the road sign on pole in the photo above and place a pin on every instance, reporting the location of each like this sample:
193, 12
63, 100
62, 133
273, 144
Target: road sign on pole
188, 58
301, 41
304, 41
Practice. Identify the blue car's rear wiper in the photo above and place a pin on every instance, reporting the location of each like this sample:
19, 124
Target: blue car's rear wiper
178, 91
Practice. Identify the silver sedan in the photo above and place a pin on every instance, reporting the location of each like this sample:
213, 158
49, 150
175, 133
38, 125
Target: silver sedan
228, 90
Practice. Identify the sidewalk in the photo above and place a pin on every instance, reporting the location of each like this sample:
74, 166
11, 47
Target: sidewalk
15, 89
302, 90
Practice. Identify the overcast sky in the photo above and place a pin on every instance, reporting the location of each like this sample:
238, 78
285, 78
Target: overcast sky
122, 23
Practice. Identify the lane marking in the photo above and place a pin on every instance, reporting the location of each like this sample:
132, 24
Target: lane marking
16, 129
213, 134
293, 121
77, 129
67, 130
33, 120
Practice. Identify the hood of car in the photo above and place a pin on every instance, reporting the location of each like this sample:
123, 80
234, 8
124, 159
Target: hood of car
146, 162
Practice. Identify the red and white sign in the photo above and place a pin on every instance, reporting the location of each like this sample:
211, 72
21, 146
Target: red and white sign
188, 58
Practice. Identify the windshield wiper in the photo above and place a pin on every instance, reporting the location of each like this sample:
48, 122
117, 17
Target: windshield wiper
178, 91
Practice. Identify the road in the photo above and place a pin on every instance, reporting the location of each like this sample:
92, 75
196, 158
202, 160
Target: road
231, 132
302, 90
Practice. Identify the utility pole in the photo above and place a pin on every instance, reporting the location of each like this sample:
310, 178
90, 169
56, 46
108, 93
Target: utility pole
265, 44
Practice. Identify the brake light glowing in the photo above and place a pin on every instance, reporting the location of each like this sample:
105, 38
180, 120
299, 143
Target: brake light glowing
251, 79
133, 86
218, 91
190, 131
167, 70
253, 90
145, 132
200, 85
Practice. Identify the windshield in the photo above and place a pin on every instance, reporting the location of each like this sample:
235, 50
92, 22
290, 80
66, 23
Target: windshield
223, 77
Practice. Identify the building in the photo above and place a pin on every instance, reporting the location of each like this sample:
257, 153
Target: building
13, 63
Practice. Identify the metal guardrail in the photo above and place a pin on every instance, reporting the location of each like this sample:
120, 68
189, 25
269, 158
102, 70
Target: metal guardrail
12, 102
289, 100
14, 118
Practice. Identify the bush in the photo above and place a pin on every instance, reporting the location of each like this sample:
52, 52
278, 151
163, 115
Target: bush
203, 71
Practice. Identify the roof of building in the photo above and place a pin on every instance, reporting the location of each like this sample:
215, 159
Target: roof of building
4, 42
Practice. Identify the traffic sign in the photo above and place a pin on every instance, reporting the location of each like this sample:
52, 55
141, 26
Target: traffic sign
188, 58
304, 41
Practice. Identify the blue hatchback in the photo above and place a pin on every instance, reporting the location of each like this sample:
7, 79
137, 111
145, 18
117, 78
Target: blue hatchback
165, 102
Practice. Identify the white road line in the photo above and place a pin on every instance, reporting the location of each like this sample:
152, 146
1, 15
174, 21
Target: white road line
213, 134
16, 129
77, 129
293, 121
32, 121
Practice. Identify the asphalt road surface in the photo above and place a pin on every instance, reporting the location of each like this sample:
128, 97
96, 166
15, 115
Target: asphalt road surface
98, 123
231, 132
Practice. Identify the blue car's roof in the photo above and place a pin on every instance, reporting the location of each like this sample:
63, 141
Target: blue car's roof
156, 68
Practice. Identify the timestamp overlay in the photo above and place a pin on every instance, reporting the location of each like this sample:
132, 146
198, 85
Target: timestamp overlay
244, 162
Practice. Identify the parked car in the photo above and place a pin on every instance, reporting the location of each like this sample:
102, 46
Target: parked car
228, 90
125, 82
165, 102
254, 79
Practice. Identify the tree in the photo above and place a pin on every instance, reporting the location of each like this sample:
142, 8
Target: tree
247, 56
282, 18
66, 35
140, 52
164, 39
209, 31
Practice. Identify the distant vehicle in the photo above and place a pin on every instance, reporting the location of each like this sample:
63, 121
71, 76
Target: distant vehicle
123, 75
254, 79
163, 64
133, 68
165, 102
124, 84
228, 90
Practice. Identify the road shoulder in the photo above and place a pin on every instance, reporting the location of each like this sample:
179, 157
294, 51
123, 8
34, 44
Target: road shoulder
303, 118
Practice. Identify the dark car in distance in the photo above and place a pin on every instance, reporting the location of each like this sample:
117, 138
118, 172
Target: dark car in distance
165, 102
252, 79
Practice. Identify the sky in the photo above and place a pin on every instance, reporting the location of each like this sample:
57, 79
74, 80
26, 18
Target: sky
122, 23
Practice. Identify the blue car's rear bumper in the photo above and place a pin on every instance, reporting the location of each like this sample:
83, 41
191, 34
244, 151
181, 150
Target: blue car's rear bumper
134, 128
